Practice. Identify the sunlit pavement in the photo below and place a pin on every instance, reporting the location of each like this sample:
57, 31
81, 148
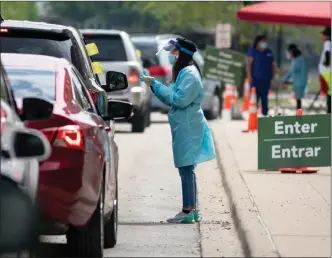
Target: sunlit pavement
150, 193
282, 214
287, 215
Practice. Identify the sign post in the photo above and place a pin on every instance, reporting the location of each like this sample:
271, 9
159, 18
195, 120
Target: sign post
294, 141
223, 35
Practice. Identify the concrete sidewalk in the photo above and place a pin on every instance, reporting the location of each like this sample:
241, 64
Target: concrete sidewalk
285, 215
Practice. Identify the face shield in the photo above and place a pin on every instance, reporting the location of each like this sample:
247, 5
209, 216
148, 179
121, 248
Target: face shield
171, 45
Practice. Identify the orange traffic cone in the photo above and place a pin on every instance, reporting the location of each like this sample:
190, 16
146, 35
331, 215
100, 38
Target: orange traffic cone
298, 170
299, 112
228, 98
246, 96
252, 121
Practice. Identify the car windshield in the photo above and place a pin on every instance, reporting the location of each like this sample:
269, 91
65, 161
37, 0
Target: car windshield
148, 51
110, 47
32, 82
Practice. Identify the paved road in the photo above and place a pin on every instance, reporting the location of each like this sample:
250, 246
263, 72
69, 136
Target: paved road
150, 193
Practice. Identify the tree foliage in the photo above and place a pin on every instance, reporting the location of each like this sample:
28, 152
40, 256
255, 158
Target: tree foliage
19, 10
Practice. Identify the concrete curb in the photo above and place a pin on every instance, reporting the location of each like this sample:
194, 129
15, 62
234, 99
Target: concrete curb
252, 233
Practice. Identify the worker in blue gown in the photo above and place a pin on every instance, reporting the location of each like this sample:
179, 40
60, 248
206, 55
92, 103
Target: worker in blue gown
192, 140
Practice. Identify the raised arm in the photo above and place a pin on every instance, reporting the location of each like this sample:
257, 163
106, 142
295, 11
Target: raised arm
184, 94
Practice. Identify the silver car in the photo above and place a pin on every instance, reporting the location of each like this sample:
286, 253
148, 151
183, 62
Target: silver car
24, 171
117, 52
160, 68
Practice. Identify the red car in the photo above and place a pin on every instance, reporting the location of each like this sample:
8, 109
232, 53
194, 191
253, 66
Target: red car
78, 183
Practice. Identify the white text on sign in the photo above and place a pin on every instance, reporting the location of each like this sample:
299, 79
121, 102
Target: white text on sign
294, 152
280, 128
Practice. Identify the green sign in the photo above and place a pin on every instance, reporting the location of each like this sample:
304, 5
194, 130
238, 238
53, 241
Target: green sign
294, 141
224, 65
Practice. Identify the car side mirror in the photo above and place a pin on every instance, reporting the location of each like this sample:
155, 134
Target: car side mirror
115, 81
30, 143
36, 109
119, 110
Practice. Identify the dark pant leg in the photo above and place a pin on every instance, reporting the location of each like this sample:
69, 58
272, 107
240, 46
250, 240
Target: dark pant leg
298, 104
188, 181
328, 102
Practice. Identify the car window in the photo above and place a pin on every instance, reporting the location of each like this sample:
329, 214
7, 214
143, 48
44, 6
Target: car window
80, 93
85, 56
36, 44
111, 47
27, 82
42, 43
4, 93
148, 51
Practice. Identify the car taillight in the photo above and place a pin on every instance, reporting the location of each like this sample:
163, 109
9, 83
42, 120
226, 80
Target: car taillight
133, 77
69, 136
158, 71
3, 30
3, 120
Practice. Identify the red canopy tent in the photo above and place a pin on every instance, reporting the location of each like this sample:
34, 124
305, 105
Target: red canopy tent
301, 13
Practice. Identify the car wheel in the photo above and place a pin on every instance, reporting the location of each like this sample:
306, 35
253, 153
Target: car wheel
214, 112
111, 227
148, 117
138, 122
89, 241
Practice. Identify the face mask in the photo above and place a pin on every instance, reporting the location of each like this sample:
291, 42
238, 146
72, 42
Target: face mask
172, 59
264, 45
288, 57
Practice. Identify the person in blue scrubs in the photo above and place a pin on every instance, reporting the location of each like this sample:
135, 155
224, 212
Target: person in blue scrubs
261, 68
298, 73
192, 141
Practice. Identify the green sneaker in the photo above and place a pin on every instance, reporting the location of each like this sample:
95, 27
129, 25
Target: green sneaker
183, 218
197, 217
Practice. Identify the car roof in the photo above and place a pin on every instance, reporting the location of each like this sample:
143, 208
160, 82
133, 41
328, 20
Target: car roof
153, 38
102, 32
33, 61
34, 25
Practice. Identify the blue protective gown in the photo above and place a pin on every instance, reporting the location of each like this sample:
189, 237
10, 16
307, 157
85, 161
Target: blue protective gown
192, 140
299, 74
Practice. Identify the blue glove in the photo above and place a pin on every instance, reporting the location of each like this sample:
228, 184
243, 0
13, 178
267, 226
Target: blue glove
143, 74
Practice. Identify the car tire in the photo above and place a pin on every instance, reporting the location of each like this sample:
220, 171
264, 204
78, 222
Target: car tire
111, 227
138, 122
148, 117
88, 241
215, 110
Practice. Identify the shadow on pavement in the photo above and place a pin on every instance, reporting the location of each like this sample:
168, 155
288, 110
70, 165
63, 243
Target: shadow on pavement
52, 250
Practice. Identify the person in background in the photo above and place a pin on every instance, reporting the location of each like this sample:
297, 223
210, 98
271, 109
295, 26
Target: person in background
261, 68
298, 73
324, 67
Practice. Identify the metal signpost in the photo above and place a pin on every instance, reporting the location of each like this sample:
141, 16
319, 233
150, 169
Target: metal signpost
294, 141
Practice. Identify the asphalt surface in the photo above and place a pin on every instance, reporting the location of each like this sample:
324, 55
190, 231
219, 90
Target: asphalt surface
150, 192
